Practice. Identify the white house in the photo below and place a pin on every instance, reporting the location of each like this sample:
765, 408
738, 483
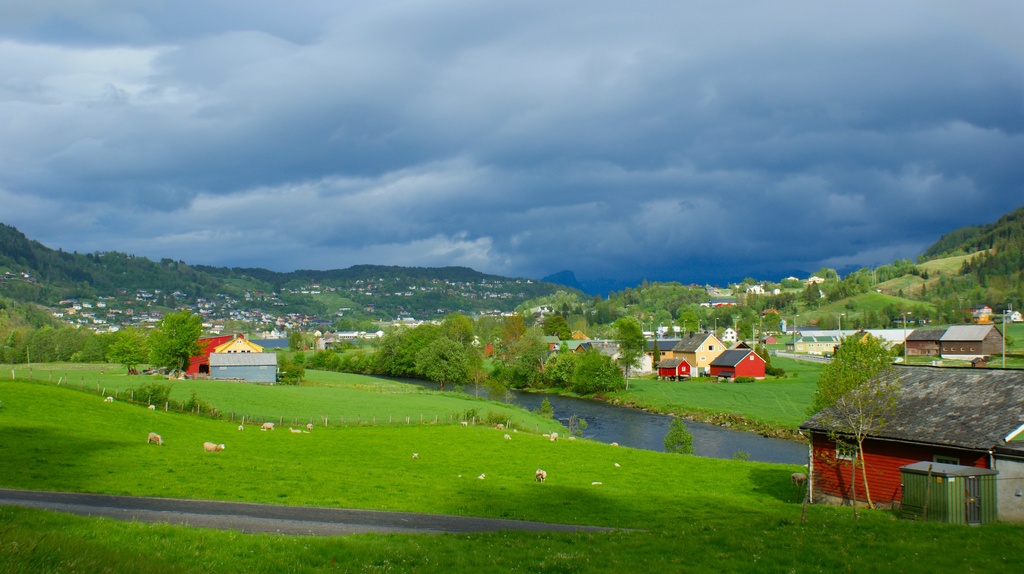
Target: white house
729, 335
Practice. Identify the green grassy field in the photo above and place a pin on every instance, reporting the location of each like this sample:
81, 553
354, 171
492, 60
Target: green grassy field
779, 402
690, 513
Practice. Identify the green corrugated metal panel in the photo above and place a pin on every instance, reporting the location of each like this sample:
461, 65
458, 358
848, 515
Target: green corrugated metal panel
957, 494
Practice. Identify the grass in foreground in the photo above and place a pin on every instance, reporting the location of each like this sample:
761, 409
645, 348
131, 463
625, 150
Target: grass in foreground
694, 514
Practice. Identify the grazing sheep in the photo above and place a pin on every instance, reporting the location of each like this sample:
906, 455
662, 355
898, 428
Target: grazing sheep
309, 426
499, 426
554, 436
541, 475
153, 437
571, 438
108, 400
297, 431
464, 423
615, 444
508, 437
798, 478
241, 427
616, 465
595, 483
152, 407
211, 447
415, 455
482, 476
267, 426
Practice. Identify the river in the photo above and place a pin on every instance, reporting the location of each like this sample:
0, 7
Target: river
640, 429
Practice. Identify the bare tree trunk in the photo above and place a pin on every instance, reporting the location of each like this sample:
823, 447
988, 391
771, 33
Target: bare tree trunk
853, 485
864, 472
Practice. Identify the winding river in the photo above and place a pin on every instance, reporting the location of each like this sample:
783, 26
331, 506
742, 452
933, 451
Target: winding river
640, 429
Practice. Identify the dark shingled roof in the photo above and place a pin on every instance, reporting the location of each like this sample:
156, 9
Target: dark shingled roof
926, 335
691, 343
669, 363
968, 408
730, 358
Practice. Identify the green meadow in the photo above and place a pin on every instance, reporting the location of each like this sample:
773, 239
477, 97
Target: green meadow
676, 513
774, 402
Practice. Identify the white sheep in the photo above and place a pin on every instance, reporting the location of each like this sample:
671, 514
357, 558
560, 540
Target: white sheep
615, 444
499, 426
541, 475
297, 431
482, 476
571, 438
309, 426
415, 455
595, 483
153, 437
152, 407
617, 465
108, 400
508, 437
464, 423
554, 437
267, 426
798, 478
211, 447
241, 427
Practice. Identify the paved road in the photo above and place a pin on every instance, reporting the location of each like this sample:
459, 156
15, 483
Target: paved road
271, 518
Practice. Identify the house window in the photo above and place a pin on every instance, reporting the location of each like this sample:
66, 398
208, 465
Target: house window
703, 359
711, 347
945, 459
845, 451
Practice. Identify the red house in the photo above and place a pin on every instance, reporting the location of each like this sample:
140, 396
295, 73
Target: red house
200, 364
954, 416
738, 363
673, 369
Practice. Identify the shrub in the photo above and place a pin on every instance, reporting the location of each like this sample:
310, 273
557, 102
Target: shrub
155, 393
743, 380
678, 439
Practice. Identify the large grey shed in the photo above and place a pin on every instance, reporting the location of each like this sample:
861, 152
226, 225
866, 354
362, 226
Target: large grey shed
250, 367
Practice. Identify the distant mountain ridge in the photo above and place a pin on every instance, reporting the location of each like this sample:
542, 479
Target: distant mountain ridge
31, 272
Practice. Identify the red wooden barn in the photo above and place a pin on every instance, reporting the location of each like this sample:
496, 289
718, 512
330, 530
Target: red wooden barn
673, 369
952, 416
738, 363
200, 364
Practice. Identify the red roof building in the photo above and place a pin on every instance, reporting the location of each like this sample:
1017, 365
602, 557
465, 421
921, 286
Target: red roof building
200, 364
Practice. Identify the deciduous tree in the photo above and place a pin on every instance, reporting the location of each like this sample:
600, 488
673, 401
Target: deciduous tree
629, 335
176, 340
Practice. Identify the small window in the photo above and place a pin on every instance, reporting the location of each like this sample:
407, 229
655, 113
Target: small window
845, 451
946, 459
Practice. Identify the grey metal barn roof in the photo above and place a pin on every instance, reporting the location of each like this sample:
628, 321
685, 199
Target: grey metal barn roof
967, 408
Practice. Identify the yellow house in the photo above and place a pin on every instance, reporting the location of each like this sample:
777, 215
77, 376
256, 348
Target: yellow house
238, 345
699, 349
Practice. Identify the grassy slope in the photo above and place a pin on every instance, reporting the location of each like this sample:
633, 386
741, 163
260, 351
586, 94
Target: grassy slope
780, 402
696, 514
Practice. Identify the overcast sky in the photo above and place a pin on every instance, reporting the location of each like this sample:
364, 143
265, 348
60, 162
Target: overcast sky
667, 140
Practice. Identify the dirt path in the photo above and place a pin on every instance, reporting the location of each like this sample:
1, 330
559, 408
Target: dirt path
247, 517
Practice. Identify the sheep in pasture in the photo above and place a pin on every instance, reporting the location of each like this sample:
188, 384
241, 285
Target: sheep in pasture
211, 447
309, 426
482, 476
241, 427
554, 437
295, 430
499, 426
798, 478
508, 437
415, 455
267, 426
464, 423
595, 483
153, 437
617, 465
615, 444
152, 407
108, 400
571, 438
541, 475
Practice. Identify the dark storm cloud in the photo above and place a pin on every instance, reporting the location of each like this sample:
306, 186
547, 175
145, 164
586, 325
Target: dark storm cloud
664, 140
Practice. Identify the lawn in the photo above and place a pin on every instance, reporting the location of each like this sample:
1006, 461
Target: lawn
781, 402
689, 513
